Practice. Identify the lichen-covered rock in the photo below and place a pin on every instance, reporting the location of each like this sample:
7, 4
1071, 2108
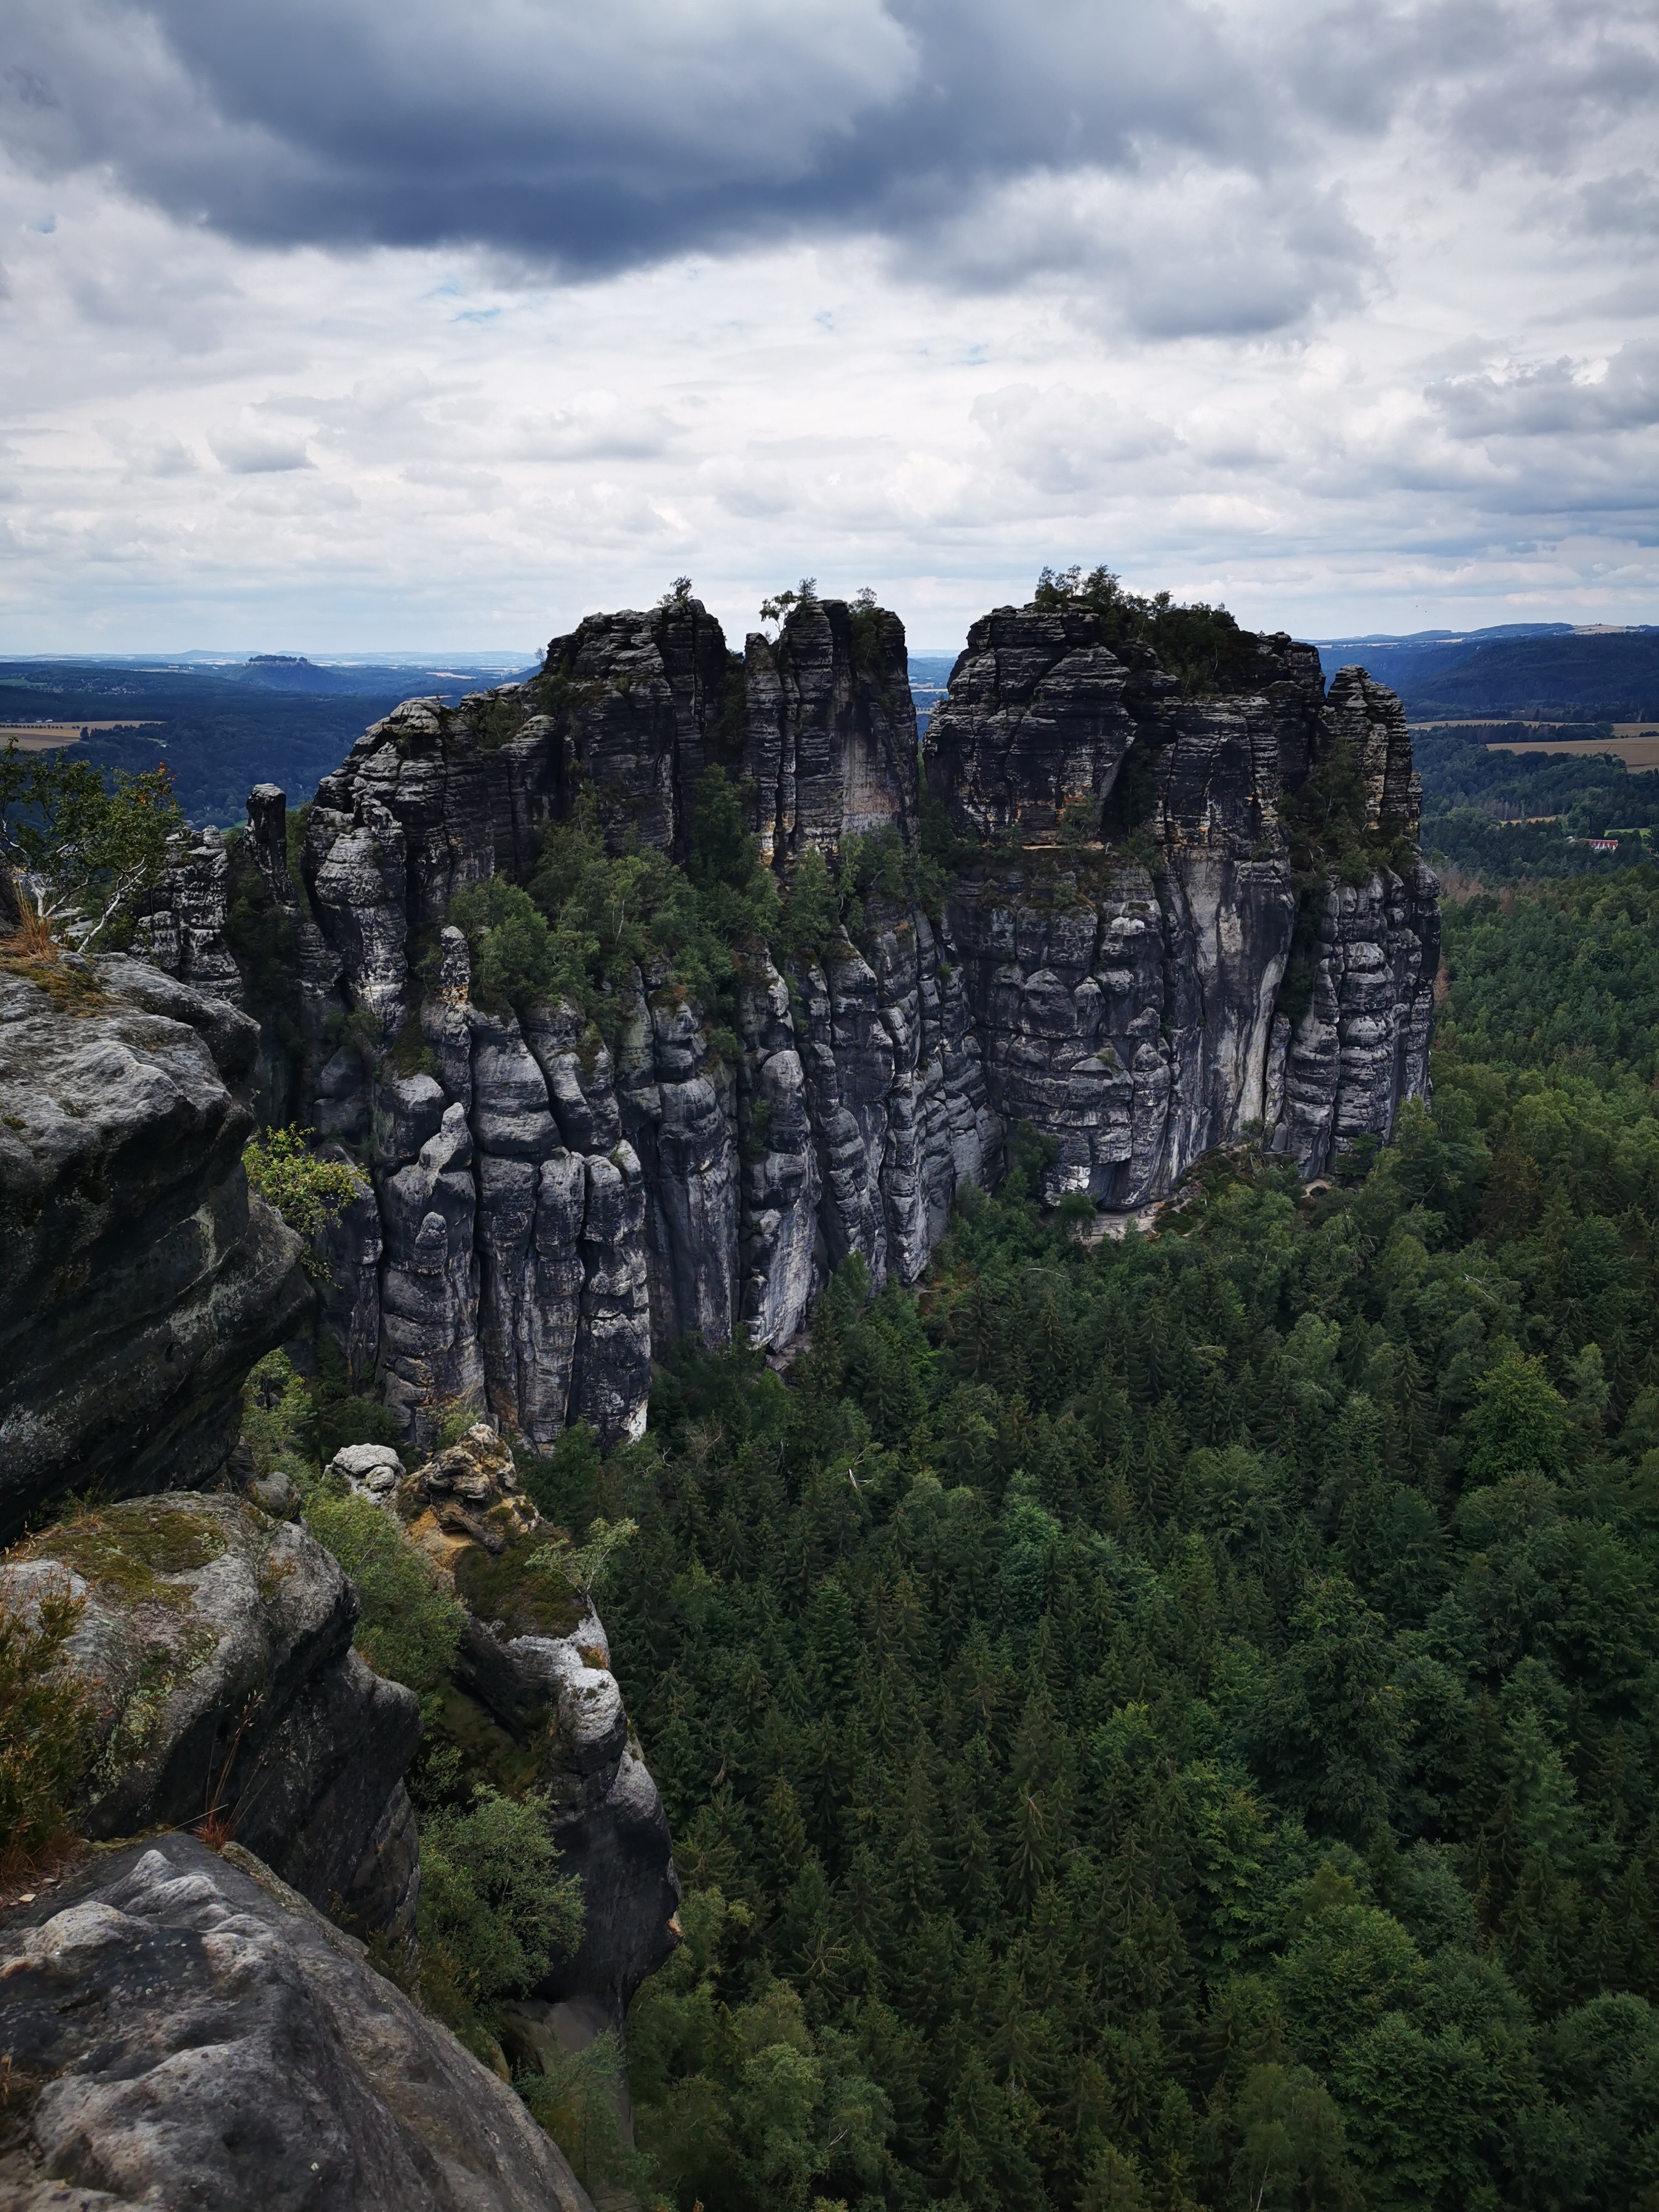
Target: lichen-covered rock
471, 1491
182, 2029
216, 1642
139, 1278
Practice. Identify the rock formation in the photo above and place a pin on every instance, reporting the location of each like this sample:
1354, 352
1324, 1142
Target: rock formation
213, 1637
1130, 1008
217, 1644
139, 1279
183, 2028
1129, 955
536, 1664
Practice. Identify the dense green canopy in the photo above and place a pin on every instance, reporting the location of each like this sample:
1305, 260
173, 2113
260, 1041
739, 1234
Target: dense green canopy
1173, 1723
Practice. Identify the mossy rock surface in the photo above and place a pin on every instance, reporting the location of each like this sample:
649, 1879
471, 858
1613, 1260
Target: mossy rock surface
139, 1552
70, 983
502, 1586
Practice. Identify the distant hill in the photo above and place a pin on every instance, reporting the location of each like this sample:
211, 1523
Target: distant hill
930, 673
1521, 669
294, 672
291, 672
222, 727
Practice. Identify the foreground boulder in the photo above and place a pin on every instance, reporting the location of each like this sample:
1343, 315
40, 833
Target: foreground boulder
217, 1644
183, 2030
139, 1279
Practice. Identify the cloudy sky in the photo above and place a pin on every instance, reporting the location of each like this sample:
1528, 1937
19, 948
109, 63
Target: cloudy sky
330, 325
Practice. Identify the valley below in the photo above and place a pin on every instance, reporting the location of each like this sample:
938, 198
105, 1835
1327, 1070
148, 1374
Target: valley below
758, 1455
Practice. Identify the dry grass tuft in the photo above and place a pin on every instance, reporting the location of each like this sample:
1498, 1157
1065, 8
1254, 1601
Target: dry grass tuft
33, 953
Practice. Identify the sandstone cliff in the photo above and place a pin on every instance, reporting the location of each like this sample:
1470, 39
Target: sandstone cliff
183, 2028
1131, 952
1133, 1011
139, 1279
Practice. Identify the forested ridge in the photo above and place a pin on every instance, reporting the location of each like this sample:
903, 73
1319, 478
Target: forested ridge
1500, 815
1173, 1722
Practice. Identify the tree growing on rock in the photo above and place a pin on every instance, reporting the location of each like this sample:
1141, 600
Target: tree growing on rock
83, 849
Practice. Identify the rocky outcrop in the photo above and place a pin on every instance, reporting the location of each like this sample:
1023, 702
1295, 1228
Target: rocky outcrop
139, 1279
1129, 1001
214, 1637
182, 2028
1036, 721
1133, 954
535, 1663
830, 744
215, 1642
1337, 1074
180, 923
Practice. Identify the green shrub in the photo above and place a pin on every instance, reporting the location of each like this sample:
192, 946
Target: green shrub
1202, 646
564, 1484
574, 2097
89, 845
308, 1193
494, 1912
45, 1720
514, 960
592, 917
408, 1627
275, 1413
750, 2103
583, 1567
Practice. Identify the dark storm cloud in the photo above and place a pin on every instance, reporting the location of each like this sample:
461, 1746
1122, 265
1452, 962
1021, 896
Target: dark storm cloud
603, 137
991, 142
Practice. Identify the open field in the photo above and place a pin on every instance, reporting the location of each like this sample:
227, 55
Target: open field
1520, 722
42, 736
1635, 743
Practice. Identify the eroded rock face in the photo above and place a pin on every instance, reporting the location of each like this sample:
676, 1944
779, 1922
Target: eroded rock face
548, 1210
180, 926
188, 2031
1035, 720
830, 741
216, 1642
536, 1661
1131, 1011
1363, 1045
139, 1278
